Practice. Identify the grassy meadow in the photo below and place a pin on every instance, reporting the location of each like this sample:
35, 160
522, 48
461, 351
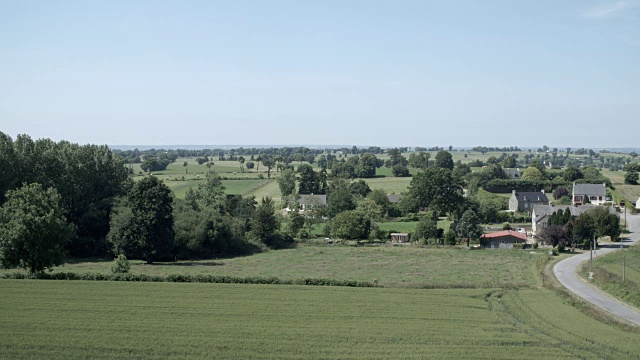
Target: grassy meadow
389, 266
116, 320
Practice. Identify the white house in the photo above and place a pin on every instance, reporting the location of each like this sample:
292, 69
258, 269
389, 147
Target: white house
308, 201
596, 193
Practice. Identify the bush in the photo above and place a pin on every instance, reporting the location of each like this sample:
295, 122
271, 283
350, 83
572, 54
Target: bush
120, 265
535, 245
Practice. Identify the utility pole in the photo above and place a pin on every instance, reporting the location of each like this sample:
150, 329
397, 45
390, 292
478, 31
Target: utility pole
623, 267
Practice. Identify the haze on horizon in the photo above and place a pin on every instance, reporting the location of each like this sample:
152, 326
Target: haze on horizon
383, 73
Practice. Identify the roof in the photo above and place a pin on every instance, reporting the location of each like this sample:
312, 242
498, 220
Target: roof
541, 211
394, 199
514, 173
305, 199
532, 196
498, 234
590, 189
399, 234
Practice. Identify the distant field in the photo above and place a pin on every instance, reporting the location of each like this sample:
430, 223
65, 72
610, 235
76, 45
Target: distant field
390, 266
118, 320
625, 191
392, 185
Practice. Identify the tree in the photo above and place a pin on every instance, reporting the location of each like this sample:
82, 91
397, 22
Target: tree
308, 180
419, 160
339, 197
185, 164
142, 227
426, 229
33, 229
370, 209
208, 194
360, 188
250, 165
572, 174
367, 165
400, 170
555, 235
379, 196
532, 173
469, 226
509, 162
350, 225
450, 237
264, 224
559, 192
395, 158
444, 160
631, 177
287, 182
433, 187
241, 161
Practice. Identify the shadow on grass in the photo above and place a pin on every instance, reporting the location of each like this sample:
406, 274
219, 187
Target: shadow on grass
188, 263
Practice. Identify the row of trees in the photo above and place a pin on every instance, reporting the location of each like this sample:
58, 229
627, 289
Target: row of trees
565, 230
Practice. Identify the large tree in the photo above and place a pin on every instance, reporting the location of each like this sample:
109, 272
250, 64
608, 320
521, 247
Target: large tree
309, 182
350, 225
208, 194
264, 224
444, 160
433, 187
33, 229
143, 226
469, 226
287, 182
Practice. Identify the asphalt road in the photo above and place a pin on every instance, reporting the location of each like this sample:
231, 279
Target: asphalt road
565, 271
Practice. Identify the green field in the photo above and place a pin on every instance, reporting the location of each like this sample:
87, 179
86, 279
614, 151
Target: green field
117, 320
389, 266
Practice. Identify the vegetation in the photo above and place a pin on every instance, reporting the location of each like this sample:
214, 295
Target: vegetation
229, 321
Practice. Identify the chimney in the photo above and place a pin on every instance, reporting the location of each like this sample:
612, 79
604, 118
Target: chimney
542, 191
513, 192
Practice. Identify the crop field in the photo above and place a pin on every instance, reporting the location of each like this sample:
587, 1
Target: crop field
389, 266
625, 191
81, 319
392, 185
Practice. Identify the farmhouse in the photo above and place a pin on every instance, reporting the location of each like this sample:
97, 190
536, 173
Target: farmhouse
524, 201
513, 174
502, 239
307, 202
541, 213
595, 193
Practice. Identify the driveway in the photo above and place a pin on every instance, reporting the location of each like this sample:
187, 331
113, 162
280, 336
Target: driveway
565, 271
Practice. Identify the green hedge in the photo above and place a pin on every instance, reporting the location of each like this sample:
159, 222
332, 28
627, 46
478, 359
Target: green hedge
217, 279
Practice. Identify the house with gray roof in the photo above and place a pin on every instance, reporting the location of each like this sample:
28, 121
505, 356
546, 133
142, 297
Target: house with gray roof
513, 174
541, 213
308, 202
595, 193
524, 200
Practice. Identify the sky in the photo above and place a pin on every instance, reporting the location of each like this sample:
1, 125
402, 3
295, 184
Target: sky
383, 73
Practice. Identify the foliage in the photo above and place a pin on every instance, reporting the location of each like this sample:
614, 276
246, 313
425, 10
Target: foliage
350, 224
469, 226
533, 174
555, 235
379, 196
359, 188
559, 192
631, 177
142, 227
419, 160
33, 229
120, 265
209, 194
444, 160
309, 180
450, 237
400, 170
265, 224
287, 182
370, 208
153, 164
339, 197
435, 188
426, 229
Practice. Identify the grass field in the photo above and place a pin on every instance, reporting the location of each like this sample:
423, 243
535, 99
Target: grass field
624, 191
389, 266
108, 320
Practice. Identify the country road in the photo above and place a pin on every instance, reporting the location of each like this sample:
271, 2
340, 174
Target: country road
565, 271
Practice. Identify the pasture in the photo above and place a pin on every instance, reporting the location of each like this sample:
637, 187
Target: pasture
389, 266
109, 320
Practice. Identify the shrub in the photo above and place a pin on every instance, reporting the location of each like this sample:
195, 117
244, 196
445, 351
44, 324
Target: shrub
120, 265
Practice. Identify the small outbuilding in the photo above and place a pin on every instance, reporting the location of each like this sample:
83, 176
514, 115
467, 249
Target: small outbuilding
399, 238
502, 239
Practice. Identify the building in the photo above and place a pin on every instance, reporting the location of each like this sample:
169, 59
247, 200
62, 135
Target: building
541, 213
306, 202
638, 204
502, 239
394, 199
596, 193
399, 238
513, 174
524, 201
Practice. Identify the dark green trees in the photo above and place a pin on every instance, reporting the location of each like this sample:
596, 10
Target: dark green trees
444, 160
433, 187
143, 226
33, 229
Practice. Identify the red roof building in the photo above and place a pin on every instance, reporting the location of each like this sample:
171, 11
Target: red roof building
502, 239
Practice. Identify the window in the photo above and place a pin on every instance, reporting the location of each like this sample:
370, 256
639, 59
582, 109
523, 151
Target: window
593, 198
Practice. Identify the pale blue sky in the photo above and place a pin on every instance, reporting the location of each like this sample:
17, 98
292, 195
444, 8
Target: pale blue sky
406, 73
